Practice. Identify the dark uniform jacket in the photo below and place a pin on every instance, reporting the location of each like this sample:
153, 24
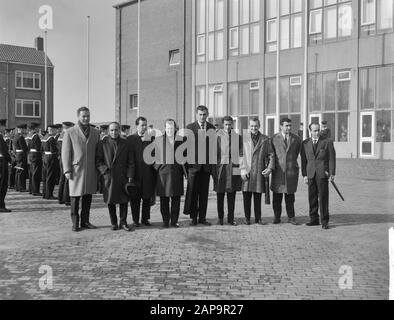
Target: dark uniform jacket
34, 145
20, 149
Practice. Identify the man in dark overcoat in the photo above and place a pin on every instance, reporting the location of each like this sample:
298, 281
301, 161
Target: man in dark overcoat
143, 174
114, 161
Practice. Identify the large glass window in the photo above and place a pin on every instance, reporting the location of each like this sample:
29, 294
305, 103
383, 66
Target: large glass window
290, 99
329, 20
328, 95
376, 93
244, 33
209, 12
290, 24
270, 96
243, 101
376, 16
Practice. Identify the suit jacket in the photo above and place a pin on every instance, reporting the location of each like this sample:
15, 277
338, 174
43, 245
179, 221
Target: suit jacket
114, 162
79, 158
254, 161
207, 167
324, 160
170, 173
285, 175
144, 174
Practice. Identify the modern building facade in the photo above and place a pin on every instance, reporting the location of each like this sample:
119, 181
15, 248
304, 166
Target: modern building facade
164, 89
335, 63
22, 84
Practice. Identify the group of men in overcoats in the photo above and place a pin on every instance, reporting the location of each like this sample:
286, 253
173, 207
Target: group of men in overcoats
129, 175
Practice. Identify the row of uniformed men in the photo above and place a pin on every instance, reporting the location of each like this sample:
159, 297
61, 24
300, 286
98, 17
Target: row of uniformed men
27, 152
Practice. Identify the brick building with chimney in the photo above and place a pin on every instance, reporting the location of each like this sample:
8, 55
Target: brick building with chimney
22, 84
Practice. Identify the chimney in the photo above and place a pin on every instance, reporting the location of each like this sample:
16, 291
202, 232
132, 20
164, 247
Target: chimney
39, 43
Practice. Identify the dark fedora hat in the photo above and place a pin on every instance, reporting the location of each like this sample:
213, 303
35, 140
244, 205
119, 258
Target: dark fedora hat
131, 190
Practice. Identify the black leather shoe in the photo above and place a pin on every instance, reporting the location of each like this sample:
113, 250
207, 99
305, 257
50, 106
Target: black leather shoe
125, 227
276, 221
293, 221
313, 223
88, 225
220, 222
75, 229
5, 210
325, 226
37, 194
146, 223
247, 222
205, 223
52, 198
261, 222
232, 223
114, 227
175, 225
136, 224
23, 190
193, 223
67, 204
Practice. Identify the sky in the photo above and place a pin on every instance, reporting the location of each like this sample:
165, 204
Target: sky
67, 50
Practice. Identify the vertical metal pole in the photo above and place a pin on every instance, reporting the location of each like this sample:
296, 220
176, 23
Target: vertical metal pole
277, 65
88, 59
138, 57
305, 93
46, 80
207, 55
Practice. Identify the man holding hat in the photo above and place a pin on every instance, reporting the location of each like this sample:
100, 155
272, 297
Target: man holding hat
50, 163
20, 148
114, 161
35, 159
64, 189
5, 158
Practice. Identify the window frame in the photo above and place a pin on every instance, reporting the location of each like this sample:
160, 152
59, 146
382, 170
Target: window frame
131, 99
22, 76
22, 101
367, 23
172, 54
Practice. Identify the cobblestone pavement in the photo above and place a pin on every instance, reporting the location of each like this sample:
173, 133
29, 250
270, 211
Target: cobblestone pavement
217, 262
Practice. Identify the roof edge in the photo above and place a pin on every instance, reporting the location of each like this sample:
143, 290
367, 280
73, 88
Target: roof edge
125, 4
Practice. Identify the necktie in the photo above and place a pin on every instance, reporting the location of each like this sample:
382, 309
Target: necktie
314, 146
203, 126
286, 143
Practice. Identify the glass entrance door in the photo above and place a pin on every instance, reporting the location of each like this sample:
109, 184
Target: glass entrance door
367, 134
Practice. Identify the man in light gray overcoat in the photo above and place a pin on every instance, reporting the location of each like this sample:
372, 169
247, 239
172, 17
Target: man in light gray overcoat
80, 144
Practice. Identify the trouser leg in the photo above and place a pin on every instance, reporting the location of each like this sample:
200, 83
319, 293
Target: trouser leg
165, 209
313, 199
290, 199
112, 214
123, 213
175, 208
247, 197
220, 204
85, 211
75, 211
257, 205
277, 205
145, 210
230, 206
